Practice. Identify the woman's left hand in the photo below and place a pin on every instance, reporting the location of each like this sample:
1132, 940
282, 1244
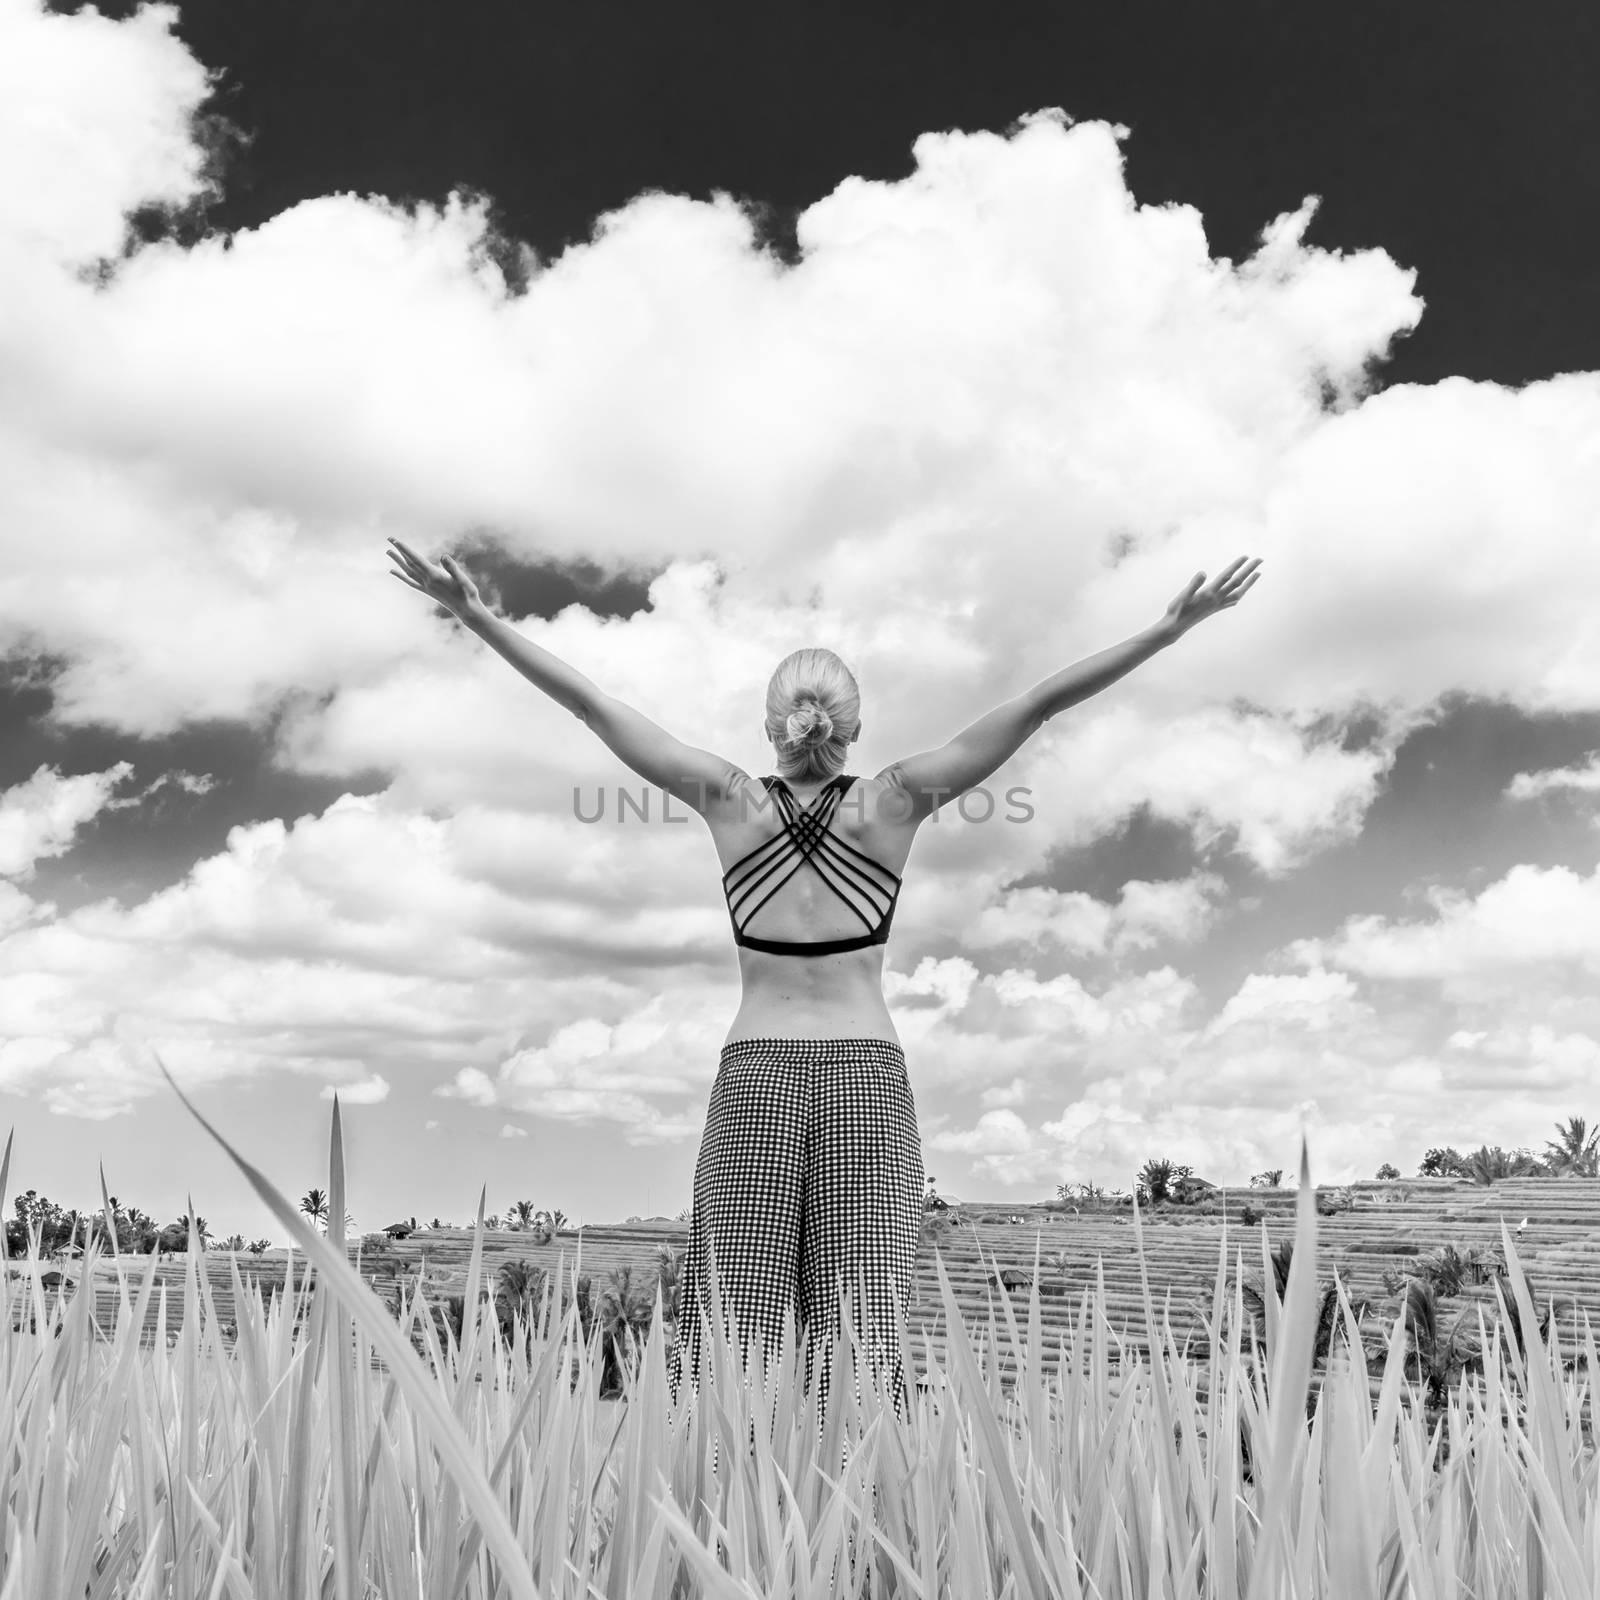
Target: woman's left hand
1190, 606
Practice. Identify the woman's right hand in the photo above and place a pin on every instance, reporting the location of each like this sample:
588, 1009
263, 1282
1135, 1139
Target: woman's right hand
447, 584
1193, 604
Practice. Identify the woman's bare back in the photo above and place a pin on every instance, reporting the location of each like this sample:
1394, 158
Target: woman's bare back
837, 996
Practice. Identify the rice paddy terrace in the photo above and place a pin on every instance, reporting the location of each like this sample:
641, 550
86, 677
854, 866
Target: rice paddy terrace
1554, 1225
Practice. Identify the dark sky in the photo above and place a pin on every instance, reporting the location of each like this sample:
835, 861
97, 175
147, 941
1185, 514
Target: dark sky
1462, 138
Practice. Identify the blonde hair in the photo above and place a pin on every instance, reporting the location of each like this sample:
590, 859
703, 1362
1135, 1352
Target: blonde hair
813, 712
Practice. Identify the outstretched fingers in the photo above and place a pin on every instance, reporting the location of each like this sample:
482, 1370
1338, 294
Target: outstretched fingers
413, 567
1230, 595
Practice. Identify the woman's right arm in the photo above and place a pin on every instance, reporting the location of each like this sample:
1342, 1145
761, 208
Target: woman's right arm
694, 776
937, 776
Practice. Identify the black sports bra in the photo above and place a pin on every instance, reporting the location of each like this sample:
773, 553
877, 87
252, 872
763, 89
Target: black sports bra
805, 837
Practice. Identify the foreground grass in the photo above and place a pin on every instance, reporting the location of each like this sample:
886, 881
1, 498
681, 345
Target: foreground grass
327, 1457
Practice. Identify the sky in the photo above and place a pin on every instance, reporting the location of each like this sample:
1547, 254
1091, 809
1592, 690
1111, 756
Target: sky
701, 334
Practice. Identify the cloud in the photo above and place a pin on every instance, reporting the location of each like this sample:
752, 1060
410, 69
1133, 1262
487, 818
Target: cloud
999, 392
368, 1091
1318, 1001
42, 816
1146, 915
118, 133
1524, 1058
509, 1130
1530, 785
1534, 921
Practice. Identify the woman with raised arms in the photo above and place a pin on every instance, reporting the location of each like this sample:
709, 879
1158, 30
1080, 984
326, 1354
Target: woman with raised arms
809, 1180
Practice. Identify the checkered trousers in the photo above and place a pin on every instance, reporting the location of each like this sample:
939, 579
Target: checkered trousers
810, 1169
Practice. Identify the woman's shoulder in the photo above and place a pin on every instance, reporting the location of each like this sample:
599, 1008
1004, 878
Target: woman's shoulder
882, 800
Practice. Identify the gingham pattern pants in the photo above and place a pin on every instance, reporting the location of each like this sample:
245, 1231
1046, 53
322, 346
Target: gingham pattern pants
810, 1168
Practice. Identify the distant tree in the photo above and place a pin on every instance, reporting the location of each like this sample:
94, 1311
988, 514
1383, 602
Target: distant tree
1446, 1162
257, 1246
1486, 1165
1157, 1179
522, 1213
1511, 1314
172, 1239
1388, 1170
1445, 1269
1575, 1152
1087, 1190
1270, 1179
626, 1307
1437, 1356
669, 1274
1328, 1324
234, 1242
315, 1205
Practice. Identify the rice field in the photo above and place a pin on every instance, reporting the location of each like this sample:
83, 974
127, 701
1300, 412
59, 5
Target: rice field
325, 1447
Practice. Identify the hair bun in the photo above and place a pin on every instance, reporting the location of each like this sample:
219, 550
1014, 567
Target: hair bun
809, 724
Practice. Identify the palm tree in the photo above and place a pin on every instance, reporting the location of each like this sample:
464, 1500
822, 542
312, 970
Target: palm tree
521, 1288
624, 1306
1439, 1356
669, 1274
1282, 1259
1445, 1269
315, 1205
522, 1213
1511, 1314
1485, 1165
1571, 1153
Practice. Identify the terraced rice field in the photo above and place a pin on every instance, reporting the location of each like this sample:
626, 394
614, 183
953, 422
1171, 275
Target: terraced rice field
1554, 1224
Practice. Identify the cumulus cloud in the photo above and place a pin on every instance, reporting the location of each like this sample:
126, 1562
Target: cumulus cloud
999, 390
1146, 915
1478, 947
1582, 780
42, 816
367, 1091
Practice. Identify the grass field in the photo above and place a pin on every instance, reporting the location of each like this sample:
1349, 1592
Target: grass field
1097, 1440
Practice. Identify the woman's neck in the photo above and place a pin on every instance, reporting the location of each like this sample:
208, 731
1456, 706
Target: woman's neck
813, 785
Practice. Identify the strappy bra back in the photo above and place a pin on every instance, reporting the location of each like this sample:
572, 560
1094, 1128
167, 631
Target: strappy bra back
868, 887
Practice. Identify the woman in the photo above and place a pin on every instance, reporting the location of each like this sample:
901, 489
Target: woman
809, 1181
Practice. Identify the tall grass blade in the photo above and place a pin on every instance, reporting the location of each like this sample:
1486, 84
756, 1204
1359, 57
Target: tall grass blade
341, 1390
1290, 1367
1032, 1581
345, 1285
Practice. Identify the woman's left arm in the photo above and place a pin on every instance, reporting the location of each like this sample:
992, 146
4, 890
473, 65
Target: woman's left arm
696, 777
